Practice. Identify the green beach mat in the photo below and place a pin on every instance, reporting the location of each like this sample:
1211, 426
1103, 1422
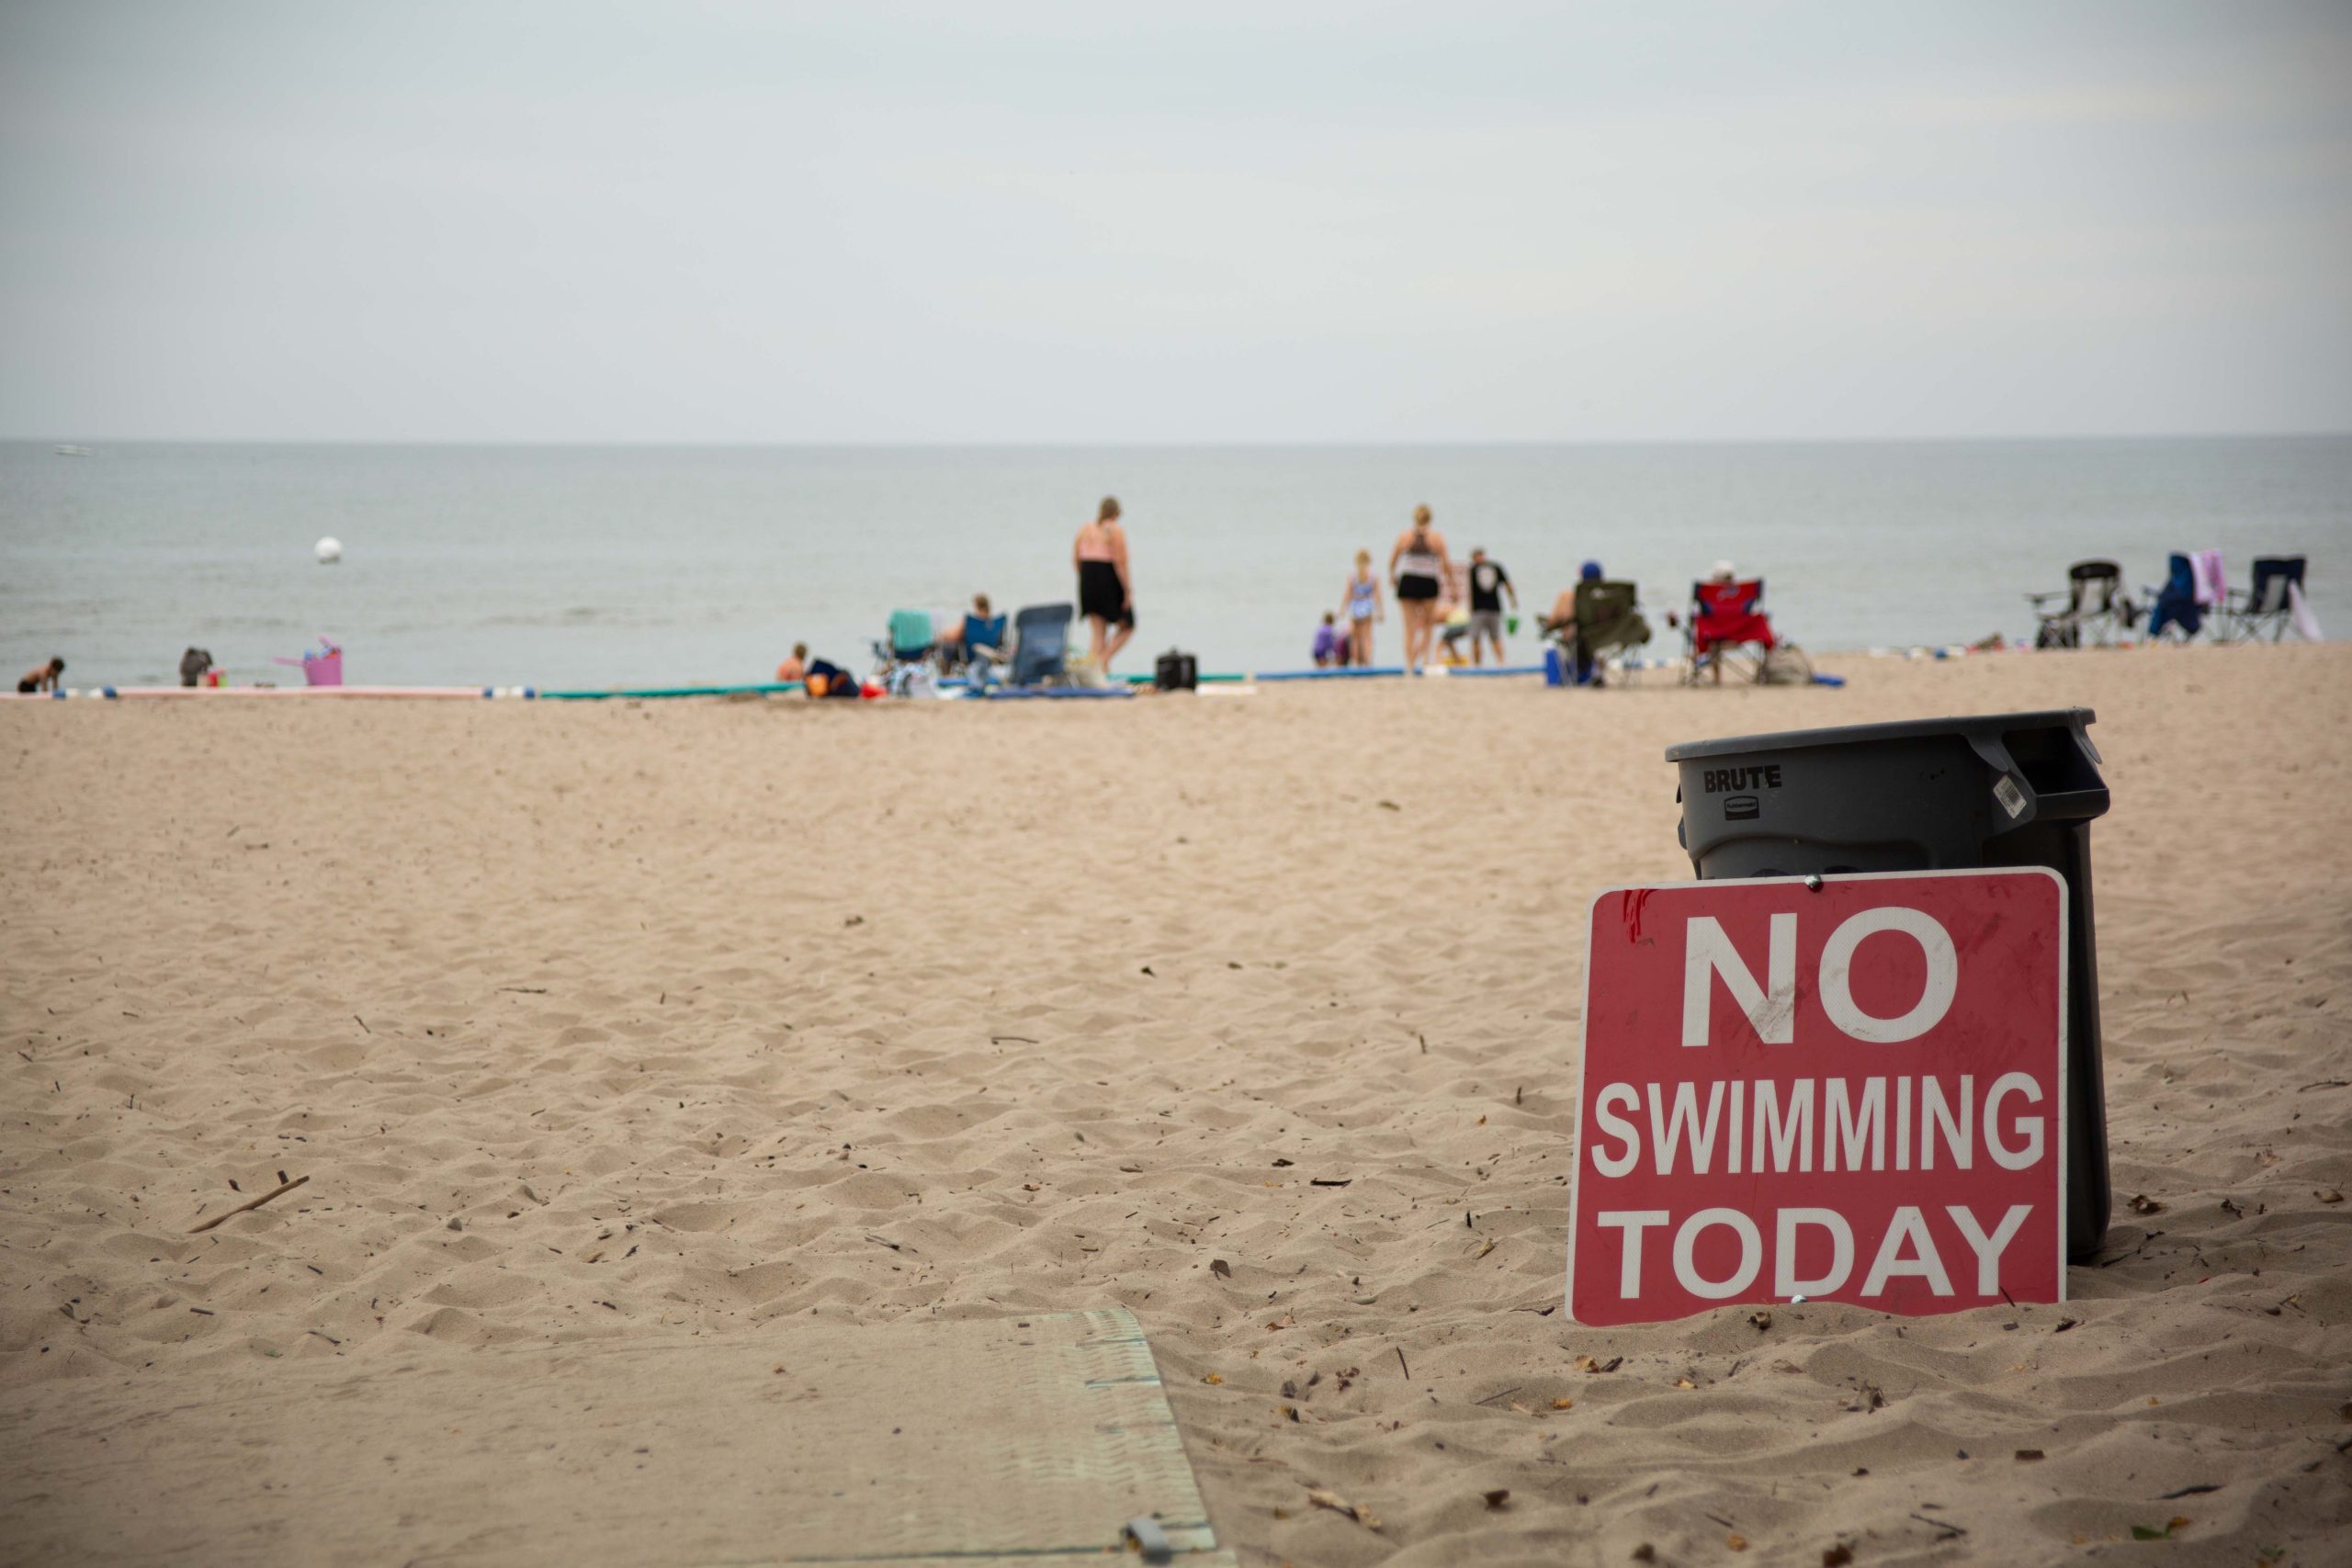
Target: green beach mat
982, 1443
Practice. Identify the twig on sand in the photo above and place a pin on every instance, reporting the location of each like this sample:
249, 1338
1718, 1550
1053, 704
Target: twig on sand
241, 1208
1940, 1524
1398, 1348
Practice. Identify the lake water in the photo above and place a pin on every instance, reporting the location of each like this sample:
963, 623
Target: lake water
604, 565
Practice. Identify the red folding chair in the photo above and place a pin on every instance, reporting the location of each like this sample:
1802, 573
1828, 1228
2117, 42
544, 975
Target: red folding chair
1726, 620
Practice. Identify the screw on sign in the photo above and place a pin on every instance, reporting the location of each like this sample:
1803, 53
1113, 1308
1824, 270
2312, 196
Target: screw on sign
1841, 1087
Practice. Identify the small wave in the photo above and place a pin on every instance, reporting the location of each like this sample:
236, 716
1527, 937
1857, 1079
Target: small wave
577, 616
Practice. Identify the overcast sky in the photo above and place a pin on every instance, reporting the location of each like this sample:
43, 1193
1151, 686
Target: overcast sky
986, 221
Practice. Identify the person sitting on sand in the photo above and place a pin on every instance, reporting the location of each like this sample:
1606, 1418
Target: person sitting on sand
1331, 643
44, 679
1562, 622
1726, 616
795, 666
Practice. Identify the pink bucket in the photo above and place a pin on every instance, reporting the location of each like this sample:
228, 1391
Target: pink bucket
322, 666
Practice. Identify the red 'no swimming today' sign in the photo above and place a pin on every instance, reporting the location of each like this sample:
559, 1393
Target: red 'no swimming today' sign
1844, 1089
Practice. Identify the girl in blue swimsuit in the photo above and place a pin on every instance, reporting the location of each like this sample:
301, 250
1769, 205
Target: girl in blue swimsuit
1361, 603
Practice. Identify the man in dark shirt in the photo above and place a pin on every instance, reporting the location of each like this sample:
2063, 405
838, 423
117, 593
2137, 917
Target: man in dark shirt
1488, 583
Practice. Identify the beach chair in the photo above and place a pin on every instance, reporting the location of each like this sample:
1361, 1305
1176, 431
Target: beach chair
1728, 625
1041, 644
2268, 605
978, 653
1607, 622
2091, 607
910, 642
2175, 604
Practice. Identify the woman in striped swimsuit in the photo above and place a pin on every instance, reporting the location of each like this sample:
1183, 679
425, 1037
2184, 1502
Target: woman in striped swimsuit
1418, 566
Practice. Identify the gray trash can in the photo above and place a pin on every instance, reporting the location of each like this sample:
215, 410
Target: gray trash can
2011, 789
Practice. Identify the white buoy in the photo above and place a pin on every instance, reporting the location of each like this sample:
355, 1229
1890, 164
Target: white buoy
330, 551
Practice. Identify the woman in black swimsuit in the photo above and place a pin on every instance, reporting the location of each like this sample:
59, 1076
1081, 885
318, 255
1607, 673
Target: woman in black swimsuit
1104, 596
1417, 566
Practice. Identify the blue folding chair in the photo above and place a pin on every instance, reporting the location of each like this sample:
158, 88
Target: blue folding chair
2176, 603
981, 648
2265, 607
1041, 644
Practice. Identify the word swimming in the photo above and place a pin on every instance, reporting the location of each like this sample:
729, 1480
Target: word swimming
1763, 1126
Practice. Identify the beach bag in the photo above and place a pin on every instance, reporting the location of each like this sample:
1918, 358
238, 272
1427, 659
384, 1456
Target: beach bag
1785, 665
826, 679
1176, 672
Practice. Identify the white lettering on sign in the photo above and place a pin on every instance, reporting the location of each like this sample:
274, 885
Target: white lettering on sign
1777, 1137
1686, 1243
1908, 1250
1613, 1125
1709, 955
1935, 997
1771, 1007
1691, 1124
1667, 1136
1785, 1281
2029, 1127
1924, 1263
1935, 1112
1632, 1222
1988, 1248
1854, 1121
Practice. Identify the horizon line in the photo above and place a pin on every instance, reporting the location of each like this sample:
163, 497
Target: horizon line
1031, 444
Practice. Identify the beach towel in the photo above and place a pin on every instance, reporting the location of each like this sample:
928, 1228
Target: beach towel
2299, 610
2212, 581
2177, 603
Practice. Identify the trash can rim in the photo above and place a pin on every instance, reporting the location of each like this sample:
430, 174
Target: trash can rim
1963, 725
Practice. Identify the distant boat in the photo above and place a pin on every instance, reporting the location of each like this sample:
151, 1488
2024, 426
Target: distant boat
67, 449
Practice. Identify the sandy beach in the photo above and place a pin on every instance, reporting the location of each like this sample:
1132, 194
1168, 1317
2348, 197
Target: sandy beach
605, 1021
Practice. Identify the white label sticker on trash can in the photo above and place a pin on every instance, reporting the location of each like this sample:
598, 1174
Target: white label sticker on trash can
2012, 798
